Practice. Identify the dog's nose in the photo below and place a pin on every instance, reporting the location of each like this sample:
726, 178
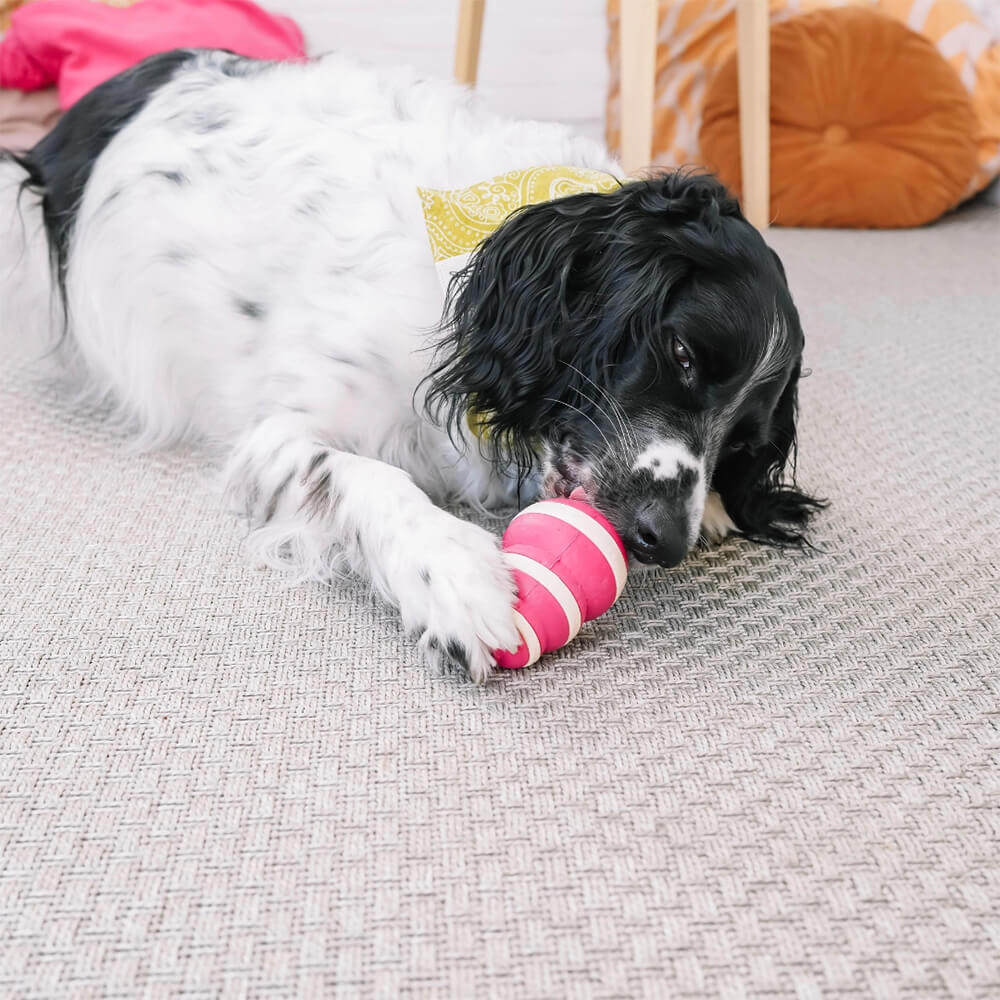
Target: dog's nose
658, 537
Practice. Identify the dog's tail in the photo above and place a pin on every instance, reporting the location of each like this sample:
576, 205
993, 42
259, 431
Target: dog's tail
29, 304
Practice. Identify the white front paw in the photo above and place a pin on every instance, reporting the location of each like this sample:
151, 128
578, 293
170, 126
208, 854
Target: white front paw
461, 598
716, 524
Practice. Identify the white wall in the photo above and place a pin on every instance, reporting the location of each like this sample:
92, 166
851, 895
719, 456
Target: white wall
540, 58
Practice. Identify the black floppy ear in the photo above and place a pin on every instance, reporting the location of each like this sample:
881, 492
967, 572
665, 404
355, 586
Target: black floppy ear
528, 313
766, 505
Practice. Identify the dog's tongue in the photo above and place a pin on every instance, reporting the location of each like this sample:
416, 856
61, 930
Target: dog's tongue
578, 494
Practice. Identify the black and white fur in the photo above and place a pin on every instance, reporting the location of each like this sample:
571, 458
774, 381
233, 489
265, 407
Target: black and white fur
240, 256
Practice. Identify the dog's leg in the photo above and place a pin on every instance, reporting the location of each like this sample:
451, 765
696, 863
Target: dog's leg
316, 509
716, 524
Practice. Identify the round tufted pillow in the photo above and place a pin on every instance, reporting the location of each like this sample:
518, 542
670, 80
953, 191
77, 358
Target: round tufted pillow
870, 126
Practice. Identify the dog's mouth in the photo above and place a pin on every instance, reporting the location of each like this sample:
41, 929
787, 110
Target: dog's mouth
565, 486
561, 478
565, 477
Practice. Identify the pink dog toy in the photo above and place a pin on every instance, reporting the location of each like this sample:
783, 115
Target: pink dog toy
570, 567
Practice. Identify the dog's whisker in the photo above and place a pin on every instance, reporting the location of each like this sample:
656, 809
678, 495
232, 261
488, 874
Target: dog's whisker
611, 461
624, 425
585, 415
616, 453
628, 437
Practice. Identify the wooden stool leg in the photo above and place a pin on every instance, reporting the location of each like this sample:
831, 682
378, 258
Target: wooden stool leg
470, 31
639, 29
755, 109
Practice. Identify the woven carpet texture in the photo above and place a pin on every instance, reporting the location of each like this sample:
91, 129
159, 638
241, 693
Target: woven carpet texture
763, 774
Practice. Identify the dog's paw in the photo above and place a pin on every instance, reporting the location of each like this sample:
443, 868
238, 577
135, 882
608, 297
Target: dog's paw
448, 654
716, 524
461, 599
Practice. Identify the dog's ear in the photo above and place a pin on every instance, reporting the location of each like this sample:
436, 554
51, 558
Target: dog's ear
519, 318
758, 486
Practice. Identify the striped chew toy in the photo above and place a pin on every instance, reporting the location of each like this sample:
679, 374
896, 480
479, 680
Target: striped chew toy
570, 567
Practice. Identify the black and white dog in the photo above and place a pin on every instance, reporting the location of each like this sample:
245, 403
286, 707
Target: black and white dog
238, 254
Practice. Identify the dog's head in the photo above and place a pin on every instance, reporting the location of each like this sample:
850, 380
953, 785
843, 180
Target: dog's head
641, 344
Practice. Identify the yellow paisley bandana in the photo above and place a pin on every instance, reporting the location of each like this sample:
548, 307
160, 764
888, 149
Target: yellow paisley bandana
458, 221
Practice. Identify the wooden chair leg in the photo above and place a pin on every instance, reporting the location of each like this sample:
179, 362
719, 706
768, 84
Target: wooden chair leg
639, 29
470, 31
755, 109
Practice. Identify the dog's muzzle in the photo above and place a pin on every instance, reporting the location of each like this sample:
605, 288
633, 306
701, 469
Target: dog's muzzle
659, 534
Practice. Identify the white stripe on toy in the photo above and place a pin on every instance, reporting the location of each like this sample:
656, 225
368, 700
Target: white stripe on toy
529, 637
544, 576
594, 531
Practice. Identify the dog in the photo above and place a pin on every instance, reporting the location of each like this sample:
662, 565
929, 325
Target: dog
237, 254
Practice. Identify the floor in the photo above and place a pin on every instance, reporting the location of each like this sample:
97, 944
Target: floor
762, 773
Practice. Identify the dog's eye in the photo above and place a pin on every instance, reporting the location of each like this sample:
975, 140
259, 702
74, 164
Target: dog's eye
681, 354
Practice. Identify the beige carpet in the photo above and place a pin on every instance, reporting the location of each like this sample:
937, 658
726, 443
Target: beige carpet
763, 774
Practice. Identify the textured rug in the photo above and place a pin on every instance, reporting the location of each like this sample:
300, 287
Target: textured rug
762, 774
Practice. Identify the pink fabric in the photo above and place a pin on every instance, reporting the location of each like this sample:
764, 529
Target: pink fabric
25, 118
77, 44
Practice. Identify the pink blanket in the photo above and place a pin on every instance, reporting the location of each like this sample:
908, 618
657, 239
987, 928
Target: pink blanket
25, 118
77, 44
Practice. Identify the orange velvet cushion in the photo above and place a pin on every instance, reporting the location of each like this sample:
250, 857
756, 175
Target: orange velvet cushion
870, 126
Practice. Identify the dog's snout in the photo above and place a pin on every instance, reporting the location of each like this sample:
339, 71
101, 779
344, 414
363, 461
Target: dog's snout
658, 536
